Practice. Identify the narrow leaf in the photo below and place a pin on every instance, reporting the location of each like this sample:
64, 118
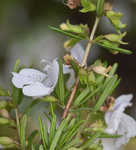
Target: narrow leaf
121, 50
44, 134
83, 94
66, 33
32, 137
60, 88
59, 132
23, 125
106, 93
90, 141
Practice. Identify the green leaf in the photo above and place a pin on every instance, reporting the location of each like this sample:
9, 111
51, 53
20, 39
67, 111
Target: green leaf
52, 126
66, 33
83, 76
114, 18
41, 147
81, 29
17, 94
100, 7
91, 94
71, 132
117, 38
81, 97
70, 43
33, 147
105, 135
107, 91
111, 47
87, 6
23, 125
76, 141
16, 66
48, 99
75, 67
44, 134
111, 73
59, 131
60, 87
87, 143
31, 138
4, 92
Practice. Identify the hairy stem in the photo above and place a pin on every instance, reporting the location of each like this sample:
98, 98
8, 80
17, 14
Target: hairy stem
88, 47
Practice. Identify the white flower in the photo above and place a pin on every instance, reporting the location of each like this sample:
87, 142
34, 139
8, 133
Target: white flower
35, 83
109, 144
120, 123
77, 53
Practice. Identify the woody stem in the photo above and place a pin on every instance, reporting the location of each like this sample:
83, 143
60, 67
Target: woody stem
87, 51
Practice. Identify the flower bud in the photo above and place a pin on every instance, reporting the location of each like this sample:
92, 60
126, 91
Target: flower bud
107, 6
67, 58
4, 121
102, 70
3, 104
72, 4
64, 27
4, 113
6, 141
91, 77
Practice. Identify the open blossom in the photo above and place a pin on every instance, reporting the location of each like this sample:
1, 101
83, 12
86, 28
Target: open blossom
36, 83
120, 123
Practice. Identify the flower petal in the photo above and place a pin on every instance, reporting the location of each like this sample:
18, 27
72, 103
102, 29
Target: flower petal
109, 144
71, 80
27, 76
122, 102
52, 71
78, 52
36, 90
127, 129
113, 118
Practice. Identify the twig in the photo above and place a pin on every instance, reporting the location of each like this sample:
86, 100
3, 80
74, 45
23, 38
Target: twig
89, 45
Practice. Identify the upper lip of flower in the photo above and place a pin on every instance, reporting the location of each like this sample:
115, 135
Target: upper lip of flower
35, 83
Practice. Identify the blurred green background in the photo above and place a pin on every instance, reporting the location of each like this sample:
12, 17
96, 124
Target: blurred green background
24, 34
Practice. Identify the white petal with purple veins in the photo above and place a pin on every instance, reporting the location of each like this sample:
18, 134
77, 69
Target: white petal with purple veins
123, 101
120, 123
36, 90
113, 118
27, 76
127, 128
35, 83
53, 72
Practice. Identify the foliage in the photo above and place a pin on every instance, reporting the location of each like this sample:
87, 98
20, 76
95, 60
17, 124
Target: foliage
84, 125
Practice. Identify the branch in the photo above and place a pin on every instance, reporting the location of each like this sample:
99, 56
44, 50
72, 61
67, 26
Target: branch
88, 47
